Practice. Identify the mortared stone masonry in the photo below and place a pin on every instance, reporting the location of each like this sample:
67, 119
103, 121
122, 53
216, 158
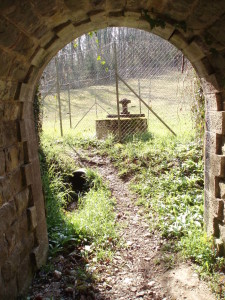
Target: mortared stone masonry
31, 33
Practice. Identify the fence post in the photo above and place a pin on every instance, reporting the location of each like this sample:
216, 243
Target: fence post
69, 105
96, 107
155, 114
139, 92
58, 93
149, 98
117, 93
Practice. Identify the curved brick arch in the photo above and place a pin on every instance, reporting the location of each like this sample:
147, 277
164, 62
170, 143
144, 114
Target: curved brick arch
31, 33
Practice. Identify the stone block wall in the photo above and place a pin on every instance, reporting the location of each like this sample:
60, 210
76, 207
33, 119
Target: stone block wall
31, 33
23, 234
129, 126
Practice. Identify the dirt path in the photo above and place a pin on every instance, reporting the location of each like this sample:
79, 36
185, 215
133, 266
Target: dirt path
139, 270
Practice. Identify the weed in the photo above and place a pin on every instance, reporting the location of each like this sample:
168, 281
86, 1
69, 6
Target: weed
93, 223
167, 176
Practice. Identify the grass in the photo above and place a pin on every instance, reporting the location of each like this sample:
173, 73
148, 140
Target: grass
95, 218
92, 224
165, 94
167, 175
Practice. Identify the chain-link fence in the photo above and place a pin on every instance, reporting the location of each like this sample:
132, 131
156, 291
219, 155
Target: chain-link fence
79, 87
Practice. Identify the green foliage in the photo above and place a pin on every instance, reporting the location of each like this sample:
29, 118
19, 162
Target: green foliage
93, 223
197, 246
95, 220
38, 112
153, 22
56, 194
198, 109
167, 175
182, 25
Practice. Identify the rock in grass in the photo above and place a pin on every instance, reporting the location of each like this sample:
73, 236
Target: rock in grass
57, 274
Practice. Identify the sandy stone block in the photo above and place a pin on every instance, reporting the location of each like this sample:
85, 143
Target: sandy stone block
13, 157
9, 289
18, 70
215, 164
38, 58
194, 52
222, 189
5, 63
116, 5
25, 274
219, 209
98, 16
222, 233
8, 133
39, 255
27, 245
23, 228
9, 33
208, 213
178, 40
212, 84
55, 45
217, 30
66, 31
7, 215
22, 132
4, 250
47, 8
214, 101
32, 216
21, 201
204, 67
2, 163
12, 110
213, 142
27, 110
215, 122
30, 151
11, 237
16, 181
26, 92
164, 33
6, 194
27, 173
222, 145
1, 199
211, 184
8, 90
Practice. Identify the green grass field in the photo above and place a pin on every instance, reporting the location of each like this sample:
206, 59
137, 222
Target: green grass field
169, 96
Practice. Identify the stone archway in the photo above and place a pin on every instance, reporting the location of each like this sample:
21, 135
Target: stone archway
31, 33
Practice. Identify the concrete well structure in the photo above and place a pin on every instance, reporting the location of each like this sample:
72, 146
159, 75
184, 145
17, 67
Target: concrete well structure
31, 33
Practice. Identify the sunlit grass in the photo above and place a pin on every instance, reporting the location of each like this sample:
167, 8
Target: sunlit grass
166, 95
93, 222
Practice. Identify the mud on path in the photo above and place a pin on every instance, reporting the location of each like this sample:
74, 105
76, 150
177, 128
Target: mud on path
138, 269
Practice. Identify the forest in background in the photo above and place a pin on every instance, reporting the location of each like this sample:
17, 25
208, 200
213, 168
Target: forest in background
91, 57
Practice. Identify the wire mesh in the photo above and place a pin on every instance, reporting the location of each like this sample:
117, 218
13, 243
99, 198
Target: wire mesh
152, 67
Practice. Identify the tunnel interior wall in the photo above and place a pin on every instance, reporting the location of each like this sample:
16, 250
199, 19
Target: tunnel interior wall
31, 33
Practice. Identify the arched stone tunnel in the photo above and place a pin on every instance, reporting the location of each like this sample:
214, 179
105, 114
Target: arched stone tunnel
31, 33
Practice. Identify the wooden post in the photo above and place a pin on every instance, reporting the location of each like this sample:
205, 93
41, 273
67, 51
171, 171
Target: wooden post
117, 94
69, 105
58, 93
